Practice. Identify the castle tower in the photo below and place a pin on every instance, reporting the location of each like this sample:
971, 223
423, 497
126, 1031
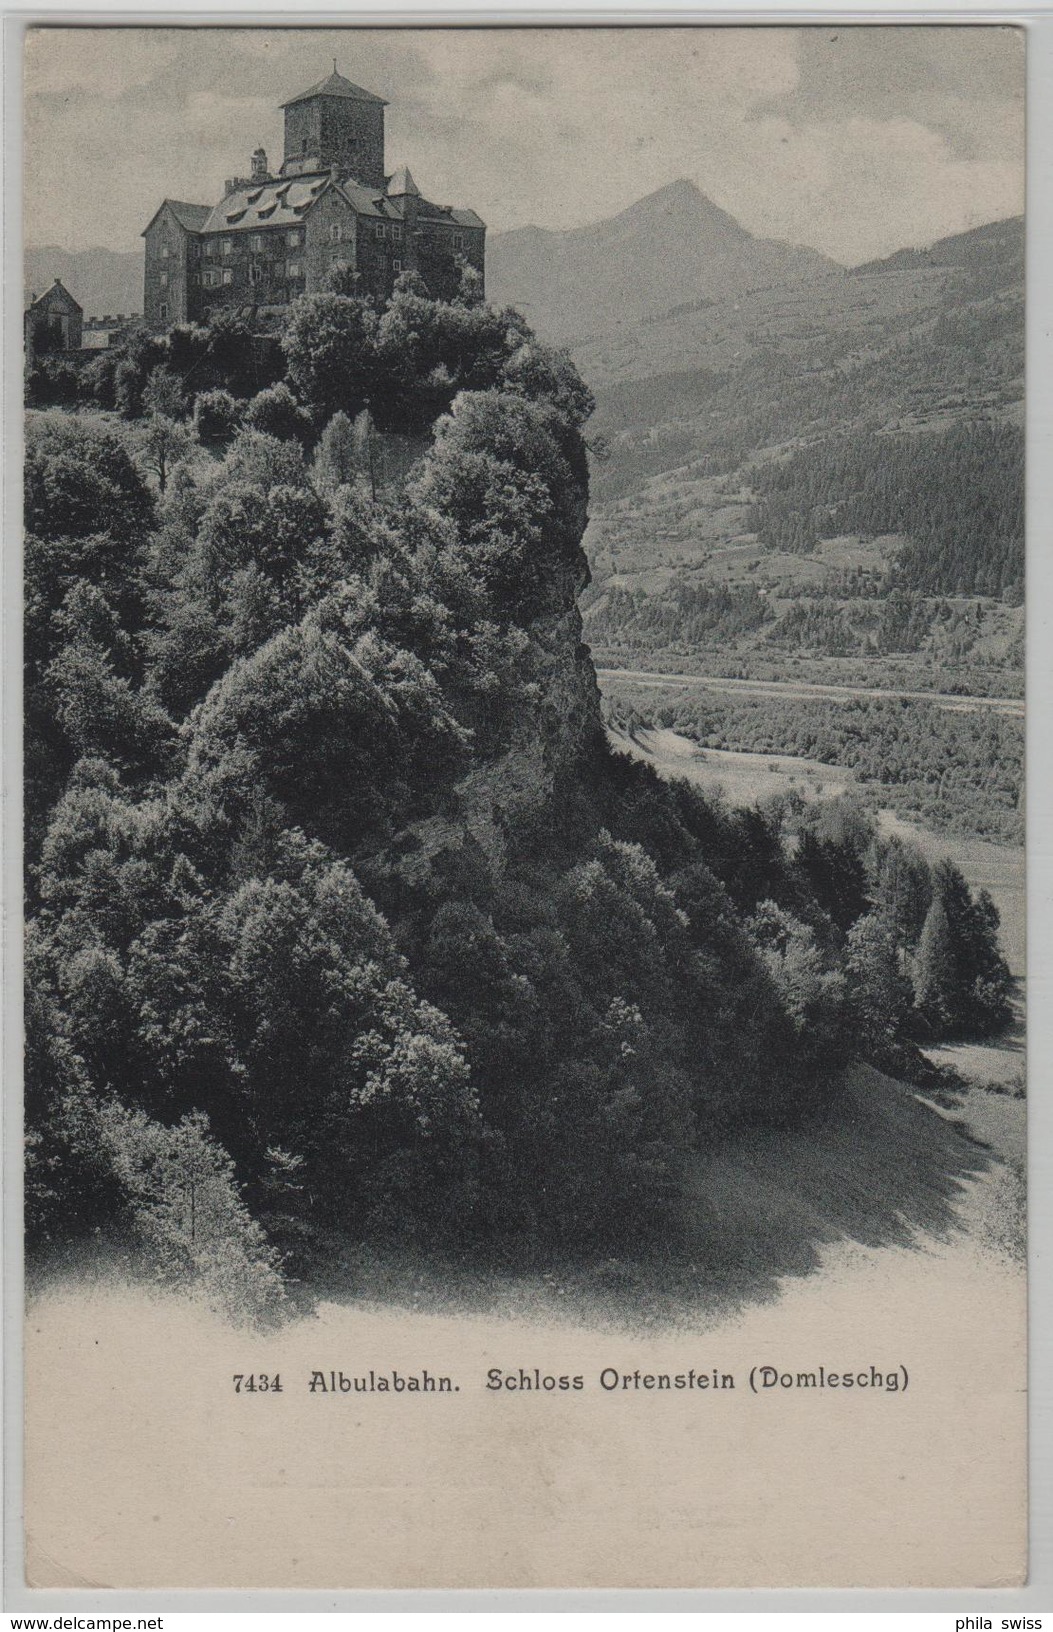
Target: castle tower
337, 125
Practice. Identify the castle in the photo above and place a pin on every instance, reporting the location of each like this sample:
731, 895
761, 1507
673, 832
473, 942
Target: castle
274, 237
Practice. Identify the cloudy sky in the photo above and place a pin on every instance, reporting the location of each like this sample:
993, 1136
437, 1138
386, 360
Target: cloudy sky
855, 141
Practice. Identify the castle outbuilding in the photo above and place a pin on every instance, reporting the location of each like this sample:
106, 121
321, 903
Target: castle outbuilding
53, 321
331, 204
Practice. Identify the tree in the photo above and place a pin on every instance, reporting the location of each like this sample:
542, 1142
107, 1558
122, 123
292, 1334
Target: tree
335, 461
163, 394
100, 709
937, 981
81, 482
276, 412
329, 344
902, 888
217, 416
186, 1207
962, 983
163, 442
878, 995
812, 993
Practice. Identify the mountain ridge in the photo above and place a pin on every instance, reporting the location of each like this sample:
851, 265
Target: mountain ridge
567, 300
105, 281
672, 247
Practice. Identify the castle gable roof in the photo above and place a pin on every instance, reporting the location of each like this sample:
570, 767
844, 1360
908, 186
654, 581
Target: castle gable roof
445, 212
366, 201
57, 295
190, 216
336, 85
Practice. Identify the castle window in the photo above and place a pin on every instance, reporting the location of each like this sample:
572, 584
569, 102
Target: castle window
227, 245
396, 231
256, 243
164, 280
334, 233
293, 239
162, 311
293, 269
378, 230
396, 266
458, 240
164, 252
228, 276
255, 274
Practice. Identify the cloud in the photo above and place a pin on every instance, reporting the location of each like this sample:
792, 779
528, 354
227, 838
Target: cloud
845, 139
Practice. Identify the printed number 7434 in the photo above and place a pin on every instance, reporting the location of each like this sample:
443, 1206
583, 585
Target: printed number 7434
256, 1382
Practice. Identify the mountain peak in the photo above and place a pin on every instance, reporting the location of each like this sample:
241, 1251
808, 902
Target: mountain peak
683, 200
673, 248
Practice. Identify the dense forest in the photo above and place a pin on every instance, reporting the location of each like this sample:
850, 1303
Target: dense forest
957, 496
687, 615
345, 923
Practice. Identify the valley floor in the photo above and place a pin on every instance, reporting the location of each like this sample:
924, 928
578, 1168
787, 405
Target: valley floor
745, 778
803, 688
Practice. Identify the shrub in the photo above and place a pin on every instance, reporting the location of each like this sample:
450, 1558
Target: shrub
276, 412
186, 1207
217, 416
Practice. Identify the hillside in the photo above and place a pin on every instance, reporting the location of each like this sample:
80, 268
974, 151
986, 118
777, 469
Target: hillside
105, 281
672, 249
830, 445
346, 922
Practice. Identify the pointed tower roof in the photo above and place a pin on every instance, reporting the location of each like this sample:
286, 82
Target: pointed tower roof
402, 183
336, 85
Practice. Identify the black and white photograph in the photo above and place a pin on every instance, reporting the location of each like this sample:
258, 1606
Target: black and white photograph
523, 568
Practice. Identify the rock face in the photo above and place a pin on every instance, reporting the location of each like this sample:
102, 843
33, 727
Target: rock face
555, 720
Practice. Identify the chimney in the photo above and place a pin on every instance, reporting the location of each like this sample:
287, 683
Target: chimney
259, 165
